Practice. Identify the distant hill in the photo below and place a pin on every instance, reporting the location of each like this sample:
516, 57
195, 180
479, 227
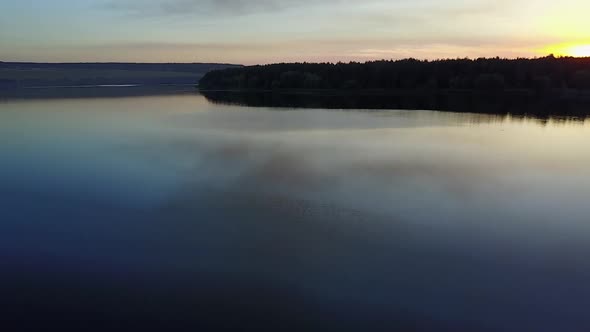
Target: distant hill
29, 74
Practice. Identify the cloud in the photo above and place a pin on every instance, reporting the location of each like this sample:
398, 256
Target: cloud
322, 48
262, 31
213, 7
244, 7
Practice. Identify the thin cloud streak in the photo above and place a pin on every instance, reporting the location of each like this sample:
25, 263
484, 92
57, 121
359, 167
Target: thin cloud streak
290, 50
215, 7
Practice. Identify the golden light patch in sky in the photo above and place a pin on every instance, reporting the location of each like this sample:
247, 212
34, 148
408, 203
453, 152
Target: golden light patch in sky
570, 49
580, 51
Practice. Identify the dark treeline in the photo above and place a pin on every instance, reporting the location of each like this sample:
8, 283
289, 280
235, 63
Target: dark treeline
489, 74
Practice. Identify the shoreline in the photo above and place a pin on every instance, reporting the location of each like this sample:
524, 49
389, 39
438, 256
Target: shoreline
515, 102
559, 94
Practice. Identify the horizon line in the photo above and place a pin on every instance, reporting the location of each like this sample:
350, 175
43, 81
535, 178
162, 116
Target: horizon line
301, 62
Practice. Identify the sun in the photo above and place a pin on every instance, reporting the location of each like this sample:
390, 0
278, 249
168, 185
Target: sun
579, 51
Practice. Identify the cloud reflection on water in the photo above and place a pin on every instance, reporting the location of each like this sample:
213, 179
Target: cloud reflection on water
423, 220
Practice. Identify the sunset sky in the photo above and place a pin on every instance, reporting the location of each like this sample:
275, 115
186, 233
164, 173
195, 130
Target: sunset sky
264, 31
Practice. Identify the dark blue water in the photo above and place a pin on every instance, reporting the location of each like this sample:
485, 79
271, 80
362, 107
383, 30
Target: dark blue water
165, 212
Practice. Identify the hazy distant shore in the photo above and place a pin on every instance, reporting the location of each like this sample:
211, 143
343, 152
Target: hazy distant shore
103, 91
18, 75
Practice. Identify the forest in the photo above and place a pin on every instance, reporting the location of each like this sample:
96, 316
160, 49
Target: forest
538, 75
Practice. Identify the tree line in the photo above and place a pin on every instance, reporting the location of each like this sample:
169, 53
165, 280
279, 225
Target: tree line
490, 74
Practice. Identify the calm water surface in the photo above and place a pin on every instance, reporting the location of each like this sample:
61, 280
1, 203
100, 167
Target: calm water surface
165, 211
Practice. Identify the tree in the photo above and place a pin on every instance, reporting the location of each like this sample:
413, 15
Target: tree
484, 74
582, 79
490, 82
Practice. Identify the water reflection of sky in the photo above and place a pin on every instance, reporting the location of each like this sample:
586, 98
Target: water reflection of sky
439, 220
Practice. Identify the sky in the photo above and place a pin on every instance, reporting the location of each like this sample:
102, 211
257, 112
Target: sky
266, 31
